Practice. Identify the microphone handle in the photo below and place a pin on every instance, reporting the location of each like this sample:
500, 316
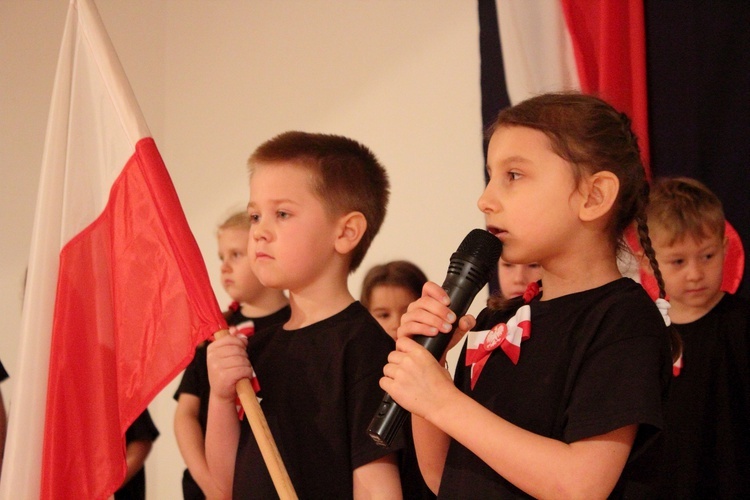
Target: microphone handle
390, 415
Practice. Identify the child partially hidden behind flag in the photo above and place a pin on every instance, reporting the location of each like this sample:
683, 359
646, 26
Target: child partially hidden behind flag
139, 439
708, 411
316, 203
254, 307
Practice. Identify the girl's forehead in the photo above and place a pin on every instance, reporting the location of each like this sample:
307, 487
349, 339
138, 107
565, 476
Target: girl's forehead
524, 148
519, 137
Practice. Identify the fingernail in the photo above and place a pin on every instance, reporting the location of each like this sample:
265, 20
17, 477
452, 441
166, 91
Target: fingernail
451, 317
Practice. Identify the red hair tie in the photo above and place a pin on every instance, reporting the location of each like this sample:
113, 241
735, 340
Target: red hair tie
531, 291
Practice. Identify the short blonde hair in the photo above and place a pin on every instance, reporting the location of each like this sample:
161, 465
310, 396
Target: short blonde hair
239, 220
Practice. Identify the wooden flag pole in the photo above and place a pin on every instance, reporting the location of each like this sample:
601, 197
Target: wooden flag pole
263, 436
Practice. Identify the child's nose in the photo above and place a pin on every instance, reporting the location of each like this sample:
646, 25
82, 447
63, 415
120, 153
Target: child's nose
519, 276
695, 271
259, 230
487, 202
392, 327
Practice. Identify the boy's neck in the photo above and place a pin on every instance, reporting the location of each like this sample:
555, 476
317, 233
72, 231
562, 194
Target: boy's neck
264, 305
682, 314
314, 306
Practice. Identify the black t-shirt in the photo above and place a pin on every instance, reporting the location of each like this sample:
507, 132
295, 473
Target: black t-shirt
195, 381
319, 390
596, 361
142, 429
195, 378
707, 436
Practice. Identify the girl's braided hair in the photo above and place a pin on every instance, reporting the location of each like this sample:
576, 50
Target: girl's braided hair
592, 136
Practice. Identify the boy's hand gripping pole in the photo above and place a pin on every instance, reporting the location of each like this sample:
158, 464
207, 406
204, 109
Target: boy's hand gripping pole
262, 433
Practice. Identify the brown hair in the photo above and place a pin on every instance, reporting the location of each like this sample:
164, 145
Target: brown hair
593, 136
347, 177
395, 273
682, 206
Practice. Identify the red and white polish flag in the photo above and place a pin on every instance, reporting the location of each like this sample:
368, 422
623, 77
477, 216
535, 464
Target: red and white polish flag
117, 292
596, 47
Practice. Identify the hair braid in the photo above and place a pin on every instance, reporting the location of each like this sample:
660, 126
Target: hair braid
648, 249
674, 336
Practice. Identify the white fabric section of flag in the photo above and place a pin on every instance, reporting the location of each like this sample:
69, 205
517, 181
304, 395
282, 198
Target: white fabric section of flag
537, 49
68, 200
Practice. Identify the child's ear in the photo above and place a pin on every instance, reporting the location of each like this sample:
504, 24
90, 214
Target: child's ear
599, 194
352, 227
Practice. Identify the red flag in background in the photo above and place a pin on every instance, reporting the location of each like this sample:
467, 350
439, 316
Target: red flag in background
117, 295
609, 40
596, 47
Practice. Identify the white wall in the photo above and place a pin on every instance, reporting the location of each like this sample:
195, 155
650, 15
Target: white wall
216, 78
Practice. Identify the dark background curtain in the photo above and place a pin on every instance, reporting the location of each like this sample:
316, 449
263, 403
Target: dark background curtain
698, 74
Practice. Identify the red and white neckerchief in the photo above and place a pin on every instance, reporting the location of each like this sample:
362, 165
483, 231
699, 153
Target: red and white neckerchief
664, 306
246, 328
508, 336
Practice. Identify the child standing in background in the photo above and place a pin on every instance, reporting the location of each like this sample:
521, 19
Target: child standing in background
316, 203
139, 439
387, 291
513, 280
562, 395
708, 411
254, 307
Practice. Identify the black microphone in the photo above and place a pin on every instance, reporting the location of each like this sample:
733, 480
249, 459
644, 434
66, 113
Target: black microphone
468, 272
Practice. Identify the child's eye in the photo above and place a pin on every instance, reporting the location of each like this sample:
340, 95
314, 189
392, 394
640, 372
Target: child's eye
254, 218
282, 214
676, 262
513, 176
708, 256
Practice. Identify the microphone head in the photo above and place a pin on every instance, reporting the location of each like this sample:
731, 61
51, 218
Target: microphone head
481, 249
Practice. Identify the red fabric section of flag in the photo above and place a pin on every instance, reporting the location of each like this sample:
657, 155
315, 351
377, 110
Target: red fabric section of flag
609, 43
133, 301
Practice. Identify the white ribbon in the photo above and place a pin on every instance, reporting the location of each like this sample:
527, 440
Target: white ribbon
664, 306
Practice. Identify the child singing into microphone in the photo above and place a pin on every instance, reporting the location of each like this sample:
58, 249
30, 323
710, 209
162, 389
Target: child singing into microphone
561, 394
